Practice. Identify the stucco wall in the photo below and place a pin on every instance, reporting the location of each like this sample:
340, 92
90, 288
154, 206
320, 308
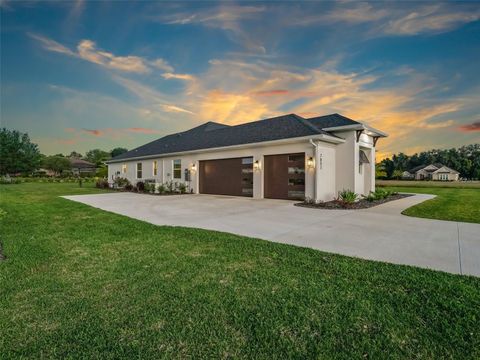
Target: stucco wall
165, 165
336, 166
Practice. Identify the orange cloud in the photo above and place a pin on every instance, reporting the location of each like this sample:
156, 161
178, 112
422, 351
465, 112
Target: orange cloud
142, 130
475, 126
271, 92
94, 132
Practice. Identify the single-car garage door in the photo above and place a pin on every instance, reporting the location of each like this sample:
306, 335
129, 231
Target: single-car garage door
285, 176
227, 176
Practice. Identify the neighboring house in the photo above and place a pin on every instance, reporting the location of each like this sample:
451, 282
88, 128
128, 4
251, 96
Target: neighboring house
436, 172
286, 157
79, 166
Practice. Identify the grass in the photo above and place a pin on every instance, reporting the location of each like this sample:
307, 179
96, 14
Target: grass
454, 204
429, 184
84, 283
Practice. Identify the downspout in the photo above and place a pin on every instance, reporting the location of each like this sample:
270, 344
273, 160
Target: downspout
315, 170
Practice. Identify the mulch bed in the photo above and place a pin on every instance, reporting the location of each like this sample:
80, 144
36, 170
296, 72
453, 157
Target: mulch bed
361, 204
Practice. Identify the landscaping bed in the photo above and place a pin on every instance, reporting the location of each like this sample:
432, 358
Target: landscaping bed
360, 204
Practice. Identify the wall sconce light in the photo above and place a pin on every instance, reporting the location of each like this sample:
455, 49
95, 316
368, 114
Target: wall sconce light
256, 165
310, 162
194, 167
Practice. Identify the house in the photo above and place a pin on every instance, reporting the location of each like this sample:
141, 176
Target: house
285, 157
79, 166
436, 172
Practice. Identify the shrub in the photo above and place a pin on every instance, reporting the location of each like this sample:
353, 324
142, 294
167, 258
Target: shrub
102, 184
161, 189
182, 188
129, 187
121, 182
149, 187
347, 196
8, 180
170, 186
140, 186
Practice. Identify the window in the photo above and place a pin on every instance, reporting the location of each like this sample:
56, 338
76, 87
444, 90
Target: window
155, 168
124, 168
177, 169
296, 170
296, 182
247, 161
294, 158
139, 170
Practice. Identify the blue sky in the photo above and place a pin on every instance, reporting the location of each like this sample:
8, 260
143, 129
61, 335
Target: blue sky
80, 75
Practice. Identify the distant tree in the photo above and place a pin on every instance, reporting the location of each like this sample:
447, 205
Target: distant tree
57, 164
466, 160
118, 151
97, 156
17, 152
389, 167
75, 155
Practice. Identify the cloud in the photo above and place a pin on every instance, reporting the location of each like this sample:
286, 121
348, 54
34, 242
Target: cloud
275, 92
113, 132
142, 130
51, 45
230, 18
186, 77
94, 132
431, 19
173, 108
88, 51
162, 65
475, 126
150, 96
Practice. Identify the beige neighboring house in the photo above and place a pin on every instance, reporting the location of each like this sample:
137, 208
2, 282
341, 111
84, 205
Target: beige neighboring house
79, 166
435, 172
286, 157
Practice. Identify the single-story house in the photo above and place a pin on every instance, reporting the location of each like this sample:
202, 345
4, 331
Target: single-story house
436, 172
285, 157
79, 166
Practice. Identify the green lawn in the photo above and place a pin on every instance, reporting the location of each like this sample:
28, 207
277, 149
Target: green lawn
84, 283
455, 204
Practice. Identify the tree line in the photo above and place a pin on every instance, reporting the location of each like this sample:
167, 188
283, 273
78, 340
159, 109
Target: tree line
18, 155
465, 159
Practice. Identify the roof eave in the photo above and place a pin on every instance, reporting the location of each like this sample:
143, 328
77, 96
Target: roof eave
368, 129
321, 137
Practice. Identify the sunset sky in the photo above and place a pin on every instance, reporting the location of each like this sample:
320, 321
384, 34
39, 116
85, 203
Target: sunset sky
82, 75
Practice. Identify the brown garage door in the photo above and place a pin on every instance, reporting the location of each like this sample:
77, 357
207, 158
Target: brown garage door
227, 176
285, 176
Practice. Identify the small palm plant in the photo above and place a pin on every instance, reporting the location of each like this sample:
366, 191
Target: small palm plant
347, 197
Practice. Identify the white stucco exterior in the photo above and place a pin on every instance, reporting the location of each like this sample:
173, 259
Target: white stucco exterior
336, 164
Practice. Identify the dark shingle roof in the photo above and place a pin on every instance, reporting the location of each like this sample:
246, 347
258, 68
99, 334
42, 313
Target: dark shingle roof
212, 135
333, 120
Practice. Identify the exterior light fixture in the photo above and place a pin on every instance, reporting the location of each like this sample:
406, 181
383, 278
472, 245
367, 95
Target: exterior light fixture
194, 167
310, 162
256, 165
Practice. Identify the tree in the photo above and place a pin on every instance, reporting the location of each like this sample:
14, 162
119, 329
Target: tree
17, 153
97, 156
118, 151
75, 155
57, 164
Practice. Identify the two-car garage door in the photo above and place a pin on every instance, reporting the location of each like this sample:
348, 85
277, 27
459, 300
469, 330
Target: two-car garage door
284, 176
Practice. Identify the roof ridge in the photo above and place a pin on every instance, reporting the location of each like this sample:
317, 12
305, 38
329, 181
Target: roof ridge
308, 124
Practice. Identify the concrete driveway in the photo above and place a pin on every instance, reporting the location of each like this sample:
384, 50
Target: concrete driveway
379, 233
